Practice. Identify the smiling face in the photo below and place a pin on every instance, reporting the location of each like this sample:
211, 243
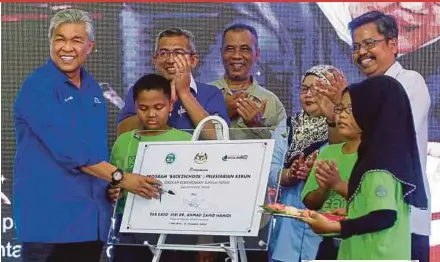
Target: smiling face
376, 54
308, 101
418, 22
172, 44
69, 47
239, 54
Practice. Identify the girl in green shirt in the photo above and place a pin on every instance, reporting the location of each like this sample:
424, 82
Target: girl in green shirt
386, 178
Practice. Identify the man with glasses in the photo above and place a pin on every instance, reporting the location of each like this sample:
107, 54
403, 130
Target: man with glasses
374, 52
175, 56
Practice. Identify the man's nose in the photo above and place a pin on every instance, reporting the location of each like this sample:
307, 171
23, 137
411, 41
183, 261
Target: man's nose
67, 46
169, 59
237, 54
362, 50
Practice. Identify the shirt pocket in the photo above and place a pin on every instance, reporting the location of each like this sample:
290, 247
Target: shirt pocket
69, 103
95, 111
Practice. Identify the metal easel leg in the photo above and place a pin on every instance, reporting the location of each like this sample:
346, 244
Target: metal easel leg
232, 250
157, 252
241, 249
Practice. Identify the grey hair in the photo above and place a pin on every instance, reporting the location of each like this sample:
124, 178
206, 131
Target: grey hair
72, 16
176, 32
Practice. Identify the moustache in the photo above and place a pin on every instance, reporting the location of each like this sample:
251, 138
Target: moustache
364, 57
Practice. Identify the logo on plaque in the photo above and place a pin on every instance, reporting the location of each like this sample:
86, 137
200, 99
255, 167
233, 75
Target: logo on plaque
236, 157
201, 158
170, 158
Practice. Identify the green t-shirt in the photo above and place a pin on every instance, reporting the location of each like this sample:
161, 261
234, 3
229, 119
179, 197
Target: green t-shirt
379, 190
125, 148
345, 163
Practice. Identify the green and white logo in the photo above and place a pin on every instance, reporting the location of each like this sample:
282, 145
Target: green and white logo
381, 191
170, 158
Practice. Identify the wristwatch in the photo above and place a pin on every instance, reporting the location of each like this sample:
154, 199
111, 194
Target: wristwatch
117, 176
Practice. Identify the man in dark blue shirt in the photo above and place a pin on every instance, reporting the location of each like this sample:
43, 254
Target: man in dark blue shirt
60, 170
175, 56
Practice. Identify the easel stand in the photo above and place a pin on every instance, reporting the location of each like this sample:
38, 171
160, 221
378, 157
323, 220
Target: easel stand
235, 248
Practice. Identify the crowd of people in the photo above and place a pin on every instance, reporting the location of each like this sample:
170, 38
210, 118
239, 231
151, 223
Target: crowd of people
354, 149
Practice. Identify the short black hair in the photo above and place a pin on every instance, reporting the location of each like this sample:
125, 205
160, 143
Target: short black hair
152, 82
237, 27
386, 24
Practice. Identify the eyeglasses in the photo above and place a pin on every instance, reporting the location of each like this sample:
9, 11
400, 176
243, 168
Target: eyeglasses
167, 53
339, 108
304, 89
367, 44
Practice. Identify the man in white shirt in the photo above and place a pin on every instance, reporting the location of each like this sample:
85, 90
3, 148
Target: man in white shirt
413, 19
375, 48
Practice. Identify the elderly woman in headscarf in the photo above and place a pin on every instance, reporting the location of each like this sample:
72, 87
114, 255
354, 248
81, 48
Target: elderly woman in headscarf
297, 140
386, 179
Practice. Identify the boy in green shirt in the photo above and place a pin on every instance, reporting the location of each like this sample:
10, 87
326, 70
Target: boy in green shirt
326, 187
152, 96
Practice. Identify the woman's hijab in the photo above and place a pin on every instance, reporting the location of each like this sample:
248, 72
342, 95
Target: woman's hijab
307, 133
383, 112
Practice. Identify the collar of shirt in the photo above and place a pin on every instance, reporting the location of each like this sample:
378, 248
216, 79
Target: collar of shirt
394, 70
61, 76
223, 85
193, 84
56, 72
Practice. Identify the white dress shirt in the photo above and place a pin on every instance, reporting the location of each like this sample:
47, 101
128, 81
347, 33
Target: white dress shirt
418, 94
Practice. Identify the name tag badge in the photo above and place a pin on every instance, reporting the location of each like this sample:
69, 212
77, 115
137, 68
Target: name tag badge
97, 100
67, 99
181, 111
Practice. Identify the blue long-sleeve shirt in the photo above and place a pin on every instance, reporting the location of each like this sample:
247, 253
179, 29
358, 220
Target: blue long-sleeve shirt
59, 128
209, 97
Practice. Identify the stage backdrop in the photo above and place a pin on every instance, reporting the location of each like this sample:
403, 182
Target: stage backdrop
293, 37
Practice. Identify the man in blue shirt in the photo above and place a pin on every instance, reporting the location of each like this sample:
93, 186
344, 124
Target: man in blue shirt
175, 56
60, 169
